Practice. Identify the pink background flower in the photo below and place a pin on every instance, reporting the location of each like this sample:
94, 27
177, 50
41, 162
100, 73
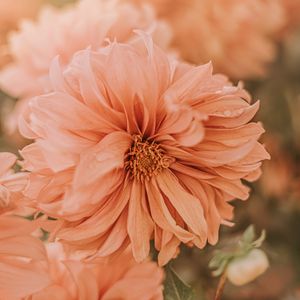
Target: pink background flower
11, 12
239, 37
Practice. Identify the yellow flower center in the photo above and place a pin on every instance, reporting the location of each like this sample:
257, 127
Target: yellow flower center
145, 159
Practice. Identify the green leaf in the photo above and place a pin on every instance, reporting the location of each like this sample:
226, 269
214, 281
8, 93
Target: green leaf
260, 240
175, 288
249, 235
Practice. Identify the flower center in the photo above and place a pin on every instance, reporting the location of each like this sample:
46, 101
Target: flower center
145, 159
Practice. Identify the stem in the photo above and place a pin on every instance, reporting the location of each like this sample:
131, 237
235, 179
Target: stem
221, 286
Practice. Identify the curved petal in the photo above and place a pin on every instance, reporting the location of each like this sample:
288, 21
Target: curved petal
87, 287
19, 280
7, 160
139, 225
187, 206
99, 171
162, 216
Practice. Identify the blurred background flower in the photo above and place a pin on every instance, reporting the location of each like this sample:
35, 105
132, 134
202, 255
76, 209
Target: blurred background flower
240, 37
11, 12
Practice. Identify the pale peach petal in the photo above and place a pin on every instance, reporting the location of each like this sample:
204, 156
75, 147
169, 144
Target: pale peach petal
7, 161
30, 269
9, 225
139, 224
233, 137
214, 154
85, 280
18, 246
169, 250
188, 206
21, 270
233, 117
96, 166
187, 87
234, 188
162, 216
20, 281
54, 108
48, 292
101, 220
140, 279
15, 182
116, 237
12, 185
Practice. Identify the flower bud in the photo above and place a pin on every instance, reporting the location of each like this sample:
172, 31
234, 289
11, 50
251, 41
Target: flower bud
243, 270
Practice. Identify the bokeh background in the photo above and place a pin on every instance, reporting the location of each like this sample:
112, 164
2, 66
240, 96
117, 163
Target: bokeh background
274, 204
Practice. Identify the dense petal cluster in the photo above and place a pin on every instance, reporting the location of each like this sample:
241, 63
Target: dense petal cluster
31, 270
88, 23
11, 184
132, 146
238, 36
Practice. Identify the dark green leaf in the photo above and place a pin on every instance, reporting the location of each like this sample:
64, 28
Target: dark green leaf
175, 288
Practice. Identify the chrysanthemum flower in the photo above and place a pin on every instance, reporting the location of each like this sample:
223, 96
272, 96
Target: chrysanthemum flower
31, 270
238, 36
132, 146
87, 23
11, 184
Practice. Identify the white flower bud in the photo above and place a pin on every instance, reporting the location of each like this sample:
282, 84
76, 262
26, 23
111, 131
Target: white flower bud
243, 270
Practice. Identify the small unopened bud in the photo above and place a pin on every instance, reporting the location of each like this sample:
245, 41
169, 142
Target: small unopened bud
243, 270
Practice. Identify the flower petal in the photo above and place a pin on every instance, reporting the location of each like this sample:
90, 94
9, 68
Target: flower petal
187, 206
139, 224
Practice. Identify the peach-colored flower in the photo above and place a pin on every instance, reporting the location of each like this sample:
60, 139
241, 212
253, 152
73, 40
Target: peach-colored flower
238, 36
133, 146
85, 24
11, 184
30, 270
10, 14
